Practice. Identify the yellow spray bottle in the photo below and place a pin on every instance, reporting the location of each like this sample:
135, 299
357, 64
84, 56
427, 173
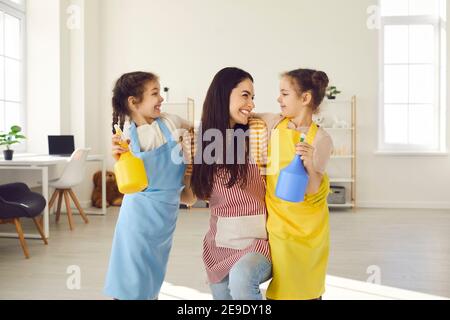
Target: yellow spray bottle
130, 171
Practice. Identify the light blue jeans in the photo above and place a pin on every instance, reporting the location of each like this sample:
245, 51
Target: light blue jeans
244, 279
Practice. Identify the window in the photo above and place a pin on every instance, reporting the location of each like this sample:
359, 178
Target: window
12, 28
413, 73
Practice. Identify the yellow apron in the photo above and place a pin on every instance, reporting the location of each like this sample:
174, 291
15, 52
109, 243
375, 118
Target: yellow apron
298, 232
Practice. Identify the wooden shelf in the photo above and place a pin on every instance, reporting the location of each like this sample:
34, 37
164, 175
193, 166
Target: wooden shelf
348, 140
338, 129
343, 157
337, 101
342, 180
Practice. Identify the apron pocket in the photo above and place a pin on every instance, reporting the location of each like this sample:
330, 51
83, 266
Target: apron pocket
240, 232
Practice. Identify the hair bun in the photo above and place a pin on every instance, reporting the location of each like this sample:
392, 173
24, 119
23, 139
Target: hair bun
320, 79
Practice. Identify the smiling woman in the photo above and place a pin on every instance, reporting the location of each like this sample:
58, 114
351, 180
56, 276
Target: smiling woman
235, 249
228, 104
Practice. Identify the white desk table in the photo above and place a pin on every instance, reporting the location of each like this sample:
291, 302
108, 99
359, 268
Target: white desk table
33, 162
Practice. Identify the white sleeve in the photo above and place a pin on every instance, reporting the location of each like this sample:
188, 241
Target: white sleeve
178, 121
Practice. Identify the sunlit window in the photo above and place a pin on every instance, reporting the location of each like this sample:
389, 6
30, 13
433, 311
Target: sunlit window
413, 39
12, 17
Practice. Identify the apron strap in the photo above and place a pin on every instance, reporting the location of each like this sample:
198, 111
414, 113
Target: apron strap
165, 130
312, 132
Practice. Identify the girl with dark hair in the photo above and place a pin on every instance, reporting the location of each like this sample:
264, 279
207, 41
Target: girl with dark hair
144, 231
299, 232
235, 249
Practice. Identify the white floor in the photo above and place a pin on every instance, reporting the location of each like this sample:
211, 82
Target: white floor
337, 289
411, 249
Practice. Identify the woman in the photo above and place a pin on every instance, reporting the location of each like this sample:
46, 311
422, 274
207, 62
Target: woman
226, 173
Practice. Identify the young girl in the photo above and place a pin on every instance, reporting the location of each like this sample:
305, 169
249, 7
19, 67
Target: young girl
299, 232
144, 231
235, 249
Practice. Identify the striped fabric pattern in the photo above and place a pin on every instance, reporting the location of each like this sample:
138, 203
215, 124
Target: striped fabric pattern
237, 202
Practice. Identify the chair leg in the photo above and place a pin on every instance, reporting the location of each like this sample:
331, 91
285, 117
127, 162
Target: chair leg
52, 200
22, 238
39, 227
77, 204
58, 211
69, 210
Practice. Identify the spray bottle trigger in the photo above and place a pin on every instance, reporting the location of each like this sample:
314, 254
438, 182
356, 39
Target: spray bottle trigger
119, 133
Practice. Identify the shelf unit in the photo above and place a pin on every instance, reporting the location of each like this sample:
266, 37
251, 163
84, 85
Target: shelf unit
340, 107
185, 110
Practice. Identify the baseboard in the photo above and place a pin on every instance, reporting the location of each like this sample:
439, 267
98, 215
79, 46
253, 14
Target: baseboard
360, 204
85, 204
403, 205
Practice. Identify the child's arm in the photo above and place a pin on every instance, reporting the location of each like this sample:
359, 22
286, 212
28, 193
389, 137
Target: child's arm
271, 119
187, 196
315, 161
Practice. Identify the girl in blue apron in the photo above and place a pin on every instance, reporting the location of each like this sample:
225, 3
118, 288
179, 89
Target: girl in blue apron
147, 220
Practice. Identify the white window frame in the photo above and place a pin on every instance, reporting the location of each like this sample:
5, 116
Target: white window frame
440, 100
19, 11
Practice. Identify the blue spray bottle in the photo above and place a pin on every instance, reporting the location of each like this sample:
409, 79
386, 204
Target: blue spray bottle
293, 181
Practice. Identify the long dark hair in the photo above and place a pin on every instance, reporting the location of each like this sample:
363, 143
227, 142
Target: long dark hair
216, 115
128, 85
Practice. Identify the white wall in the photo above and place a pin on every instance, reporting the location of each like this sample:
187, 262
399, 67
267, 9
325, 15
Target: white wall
187, 42
43, 73
62, 82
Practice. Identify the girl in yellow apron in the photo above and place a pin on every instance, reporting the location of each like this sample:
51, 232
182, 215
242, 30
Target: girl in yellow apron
299, 232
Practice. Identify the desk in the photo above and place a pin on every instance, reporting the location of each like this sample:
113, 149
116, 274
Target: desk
33, 162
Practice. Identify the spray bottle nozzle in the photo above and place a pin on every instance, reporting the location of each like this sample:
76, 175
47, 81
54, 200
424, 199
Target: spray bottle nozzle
119, 133
303, 138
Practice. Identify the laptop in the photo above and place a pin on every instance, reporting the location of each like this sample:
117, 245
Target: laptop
61, 146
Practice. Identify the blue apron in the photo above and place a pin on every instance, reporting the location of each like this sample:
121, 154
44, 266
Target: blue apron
144, 231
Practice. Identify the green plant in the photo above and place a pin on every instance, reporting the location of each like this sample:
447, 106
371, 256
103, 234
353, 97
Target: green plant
332, 92
13, 137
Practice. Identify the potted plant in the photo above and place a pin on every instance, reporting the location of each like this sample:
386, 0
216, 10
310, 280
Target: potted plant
8, 139
332, 92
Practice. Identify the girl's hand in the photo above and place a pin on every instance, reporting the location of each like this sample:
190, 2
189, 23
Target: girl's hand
306, 151
117, 150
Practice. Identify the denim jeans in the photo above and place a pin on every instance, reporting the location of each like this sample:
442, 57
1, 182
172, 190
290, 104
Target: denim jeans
244, 279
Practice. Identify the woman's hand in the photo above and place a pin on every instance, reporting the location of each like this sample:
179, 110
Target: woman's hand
117, 149
306, 151
187, 195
